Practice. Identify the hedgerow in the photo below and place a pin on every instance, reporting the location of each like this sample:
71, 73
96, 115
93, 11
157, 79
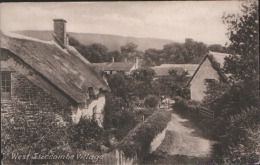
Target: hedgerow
137, 142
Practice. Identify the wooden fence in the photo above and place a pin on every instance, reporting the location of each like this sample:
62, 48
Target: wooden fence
116, 157
207, 113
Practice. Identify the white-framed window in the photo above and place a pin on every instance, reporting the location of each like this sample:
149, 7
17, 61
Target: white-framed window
6, 85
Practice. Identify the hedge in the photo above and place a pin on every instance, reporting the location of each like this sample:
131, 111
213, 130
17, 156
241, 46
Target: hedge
138, 141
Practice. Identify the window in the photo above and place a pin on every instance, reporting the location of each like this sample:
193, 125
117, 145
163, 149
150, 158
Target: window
209, 81
6, 86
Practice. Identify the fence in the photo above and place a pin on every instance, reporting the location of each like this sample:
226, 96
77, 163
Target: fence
207, 113
116, 157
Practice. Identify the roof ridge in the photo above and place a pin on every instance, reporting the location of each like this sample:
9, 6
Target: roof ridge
19, 36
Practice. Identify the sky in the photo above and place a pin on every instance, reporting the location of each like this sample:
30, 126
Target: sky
175, 20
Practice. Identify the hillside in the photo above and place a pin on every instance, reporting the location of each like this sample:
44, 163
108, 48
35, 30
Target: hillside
112, 42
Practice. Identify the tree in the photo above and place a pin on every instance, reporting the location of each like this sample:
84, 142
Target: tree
151, 101
129, 50
73, 41
94, 53
145, 74
244, 37
240, 95
118, 57
217, 48
119, 85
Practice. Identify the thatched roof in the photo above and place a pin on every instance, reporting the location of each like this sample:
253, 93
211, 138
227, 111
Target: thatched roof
217, 61
164, 71
64, 68
114, 66
190, 68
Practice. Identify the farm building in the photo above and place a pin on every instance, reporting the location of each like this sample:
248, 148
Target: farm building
110, 68
49, 76
163, 70
208, 71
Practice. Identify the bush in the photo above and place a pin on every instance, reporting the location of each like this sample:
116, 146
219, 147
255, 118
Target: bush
86, 135
187, 108
138, 140
151, 101
46, 137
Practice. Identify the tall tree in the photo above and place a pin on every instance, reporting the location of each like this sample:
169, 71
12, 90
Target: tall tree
244, 37
129, 50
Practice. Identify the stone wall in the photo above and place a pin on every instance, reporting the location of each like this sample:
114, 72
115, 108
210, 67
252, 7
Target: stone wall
33, 100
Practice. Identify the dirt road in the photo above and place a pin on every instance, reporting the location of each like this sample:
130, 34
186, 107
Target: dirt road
182, 144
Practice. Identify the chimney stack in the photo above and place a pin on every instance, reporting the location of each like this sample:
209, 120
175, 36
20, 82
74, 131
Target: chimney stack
136, 62
60, 35
113, 59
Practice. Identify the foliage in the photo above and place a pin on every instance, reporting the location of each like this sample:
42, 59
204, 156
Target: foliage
187, 108
144, 74
120, 86
73, 41
240, 139
139, 139
243, 34
118, 116
118, 57
174, 84
151, 101
129, 50
189, 52
218, 48
86, 134
47, 136
239, 99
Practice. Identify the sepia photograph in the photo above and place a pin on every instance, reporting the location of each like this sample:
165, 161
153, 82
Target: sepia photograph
130, 82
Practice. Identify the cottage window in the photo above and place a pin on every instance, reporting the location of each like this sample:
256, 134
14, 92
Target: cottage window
6, 85
209, 81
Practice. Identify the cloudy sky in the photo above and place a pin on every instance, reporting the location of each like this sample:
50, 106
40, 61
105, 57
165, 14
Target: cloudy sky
169, 20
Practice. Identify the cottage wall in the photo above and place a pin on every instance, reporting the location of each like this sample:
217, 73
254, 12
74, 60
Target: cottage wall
36, 95
198, 86
31, 99
93, 110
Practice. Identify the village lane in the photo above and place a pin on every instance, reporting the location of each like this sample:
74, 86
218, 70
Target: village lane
182, 143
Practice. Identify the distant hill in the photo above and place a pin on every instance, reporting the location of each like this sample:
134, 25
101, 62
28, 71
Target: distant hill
112, 42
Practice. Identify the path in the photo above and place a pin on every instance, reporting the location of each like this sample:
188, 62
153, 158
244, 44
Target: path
182, 144
184, 139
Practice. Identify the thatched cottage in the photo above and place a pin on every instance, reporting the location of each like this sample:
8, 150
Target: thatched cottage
50, 76
209, 70
163, 70
110, 68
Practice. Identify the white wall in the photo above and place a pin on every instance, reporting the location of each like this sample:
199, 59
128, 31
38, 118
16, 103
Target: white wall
198, 86
88, 111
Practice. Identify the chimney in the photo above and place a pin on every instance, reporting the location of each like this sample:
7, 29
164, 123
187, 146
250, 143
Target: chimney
136, 61
60, 35
113, 59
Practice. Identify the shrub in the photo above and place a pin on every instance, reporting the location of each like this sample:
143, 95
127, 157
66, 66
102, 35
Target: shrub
138, 140
86, 135
151, 101
46, 137
186, 108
